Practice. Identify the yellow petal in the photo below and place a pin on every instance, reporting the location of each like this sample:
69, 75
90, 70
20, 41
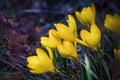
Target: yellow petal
68, 50
93, 9
53, 34
92, 42
42, 69
112, 23
64, 32
50, 53
108, 21
54, 37
87, 15
117, 53
84, 34
92, 38
117, 23
80, 41
70, 47
43, 58
79, 17
72, 24
52, 41
37, 71
41, 63
35, 66
96, 33
88, 38
31, 58
33, 62
46, 42
42, 55
63, 52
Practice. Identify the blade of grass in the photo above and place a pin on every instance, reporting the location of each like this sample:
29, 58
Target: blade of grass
87, 67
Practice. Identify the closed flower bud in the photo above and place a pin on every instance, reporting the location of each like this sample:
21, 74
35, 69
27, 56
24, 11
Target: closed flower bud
87, 15
91, 39
112, 23
41, 63
67, 50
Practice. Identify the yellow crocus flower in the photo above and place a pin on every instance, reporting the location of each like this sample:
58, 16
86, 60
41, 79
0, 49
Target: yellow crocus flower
87, 15
52, 41
112, 23
64, 32
117, 53
67, 50
91, 39
67, 32
41, 63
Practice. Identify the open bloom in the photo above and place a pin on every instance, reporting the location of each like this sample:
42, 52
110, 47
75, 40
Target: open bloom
112, 23
67, 32
91, 39
41, 63
52, 41
67, 50
117, 53
87, 15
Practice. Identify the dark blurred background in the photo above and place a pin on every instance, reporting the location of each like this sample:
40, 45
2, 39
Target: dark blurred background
22, 22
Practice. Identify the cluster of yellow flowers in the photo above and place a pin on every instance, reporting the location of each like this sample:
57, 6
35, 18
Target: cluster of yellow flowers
64, 39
